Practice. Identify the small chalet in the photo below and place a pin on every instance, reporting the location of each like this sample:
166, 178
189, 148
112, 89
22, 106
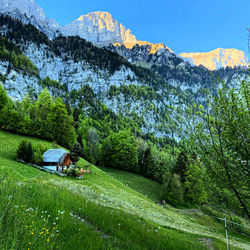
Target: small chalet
53, 159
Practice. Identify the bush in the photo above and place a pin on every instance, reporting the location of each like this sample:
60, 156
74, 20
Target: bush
25, 151
31, 153
22, 149
38, 151
73, 171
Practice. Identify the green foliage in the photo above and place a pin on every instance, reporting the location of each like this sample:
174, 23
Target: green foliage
120, 151
31, 153
47, 118
53, 85
159, 162
181, 165
76, 152
25, 151
38, 150
61, 124
188, 175
172, 189
73, 171
11, 53
92, 147
3, 97
194, 184
222, 136
22, 149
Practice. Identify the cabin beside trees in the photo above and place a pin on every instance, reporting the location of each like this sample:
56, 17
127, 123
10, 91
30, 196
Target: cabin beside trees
56, 160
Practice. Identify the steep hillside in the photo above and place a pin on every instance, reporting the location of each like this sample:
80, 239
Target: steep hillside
97, 212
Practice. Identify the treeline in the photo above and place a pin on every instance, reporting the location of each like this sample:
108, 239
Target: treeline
197, 75
186, 183
45, 118
10, 53
135, 92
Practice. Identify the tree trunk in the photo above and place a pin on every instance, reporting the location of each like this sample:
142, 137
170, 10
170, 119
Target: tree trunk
241, 202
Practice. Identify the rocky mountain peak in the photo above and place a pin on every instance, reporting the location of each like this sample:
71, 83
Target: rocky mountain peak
100, 28
27, 7
218, 58
27, 11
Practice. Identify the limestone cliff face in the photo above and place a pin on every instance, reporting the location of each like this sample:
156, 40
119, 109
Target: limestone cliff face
99, 28
218, 58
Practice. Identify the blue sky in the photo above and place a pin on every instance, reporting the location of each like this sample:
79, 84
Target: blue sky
183, 25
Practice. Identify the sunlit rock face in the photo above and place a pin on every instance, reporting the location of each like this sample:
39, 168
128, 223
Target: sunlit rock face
219, 58
102, 29
99, 28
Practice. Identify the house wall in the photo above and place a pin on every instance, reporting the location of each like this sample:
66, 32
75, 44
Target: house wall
67, 160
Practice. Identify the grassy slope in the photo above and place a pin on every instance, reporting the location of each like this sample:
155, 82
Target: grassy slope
116, 215
147, 187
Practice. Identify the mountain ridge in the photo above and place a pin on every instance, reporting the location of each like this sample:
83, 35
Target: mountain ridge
218, 58
102, 29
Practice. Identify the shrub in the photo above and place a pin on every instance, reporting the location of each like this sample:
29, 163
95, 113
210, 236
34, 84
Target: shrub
73, 171
31, 153
38, 151
25, 151
22, 149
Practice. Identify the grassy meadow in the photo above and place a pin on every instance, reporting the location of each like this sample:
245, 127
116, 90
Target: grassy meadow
107, 209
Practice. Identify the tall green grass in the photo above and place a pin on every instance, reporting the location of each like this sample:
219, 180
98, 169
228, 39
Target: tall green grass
38, 216
39, 210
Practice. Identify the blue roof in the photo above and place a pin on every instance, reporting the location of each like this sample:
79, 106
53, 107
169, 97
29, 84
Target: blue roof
54, 155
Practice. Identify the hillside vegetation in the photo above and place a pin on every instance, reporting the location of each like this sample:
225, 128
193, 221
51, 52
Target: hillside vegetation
41, 210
